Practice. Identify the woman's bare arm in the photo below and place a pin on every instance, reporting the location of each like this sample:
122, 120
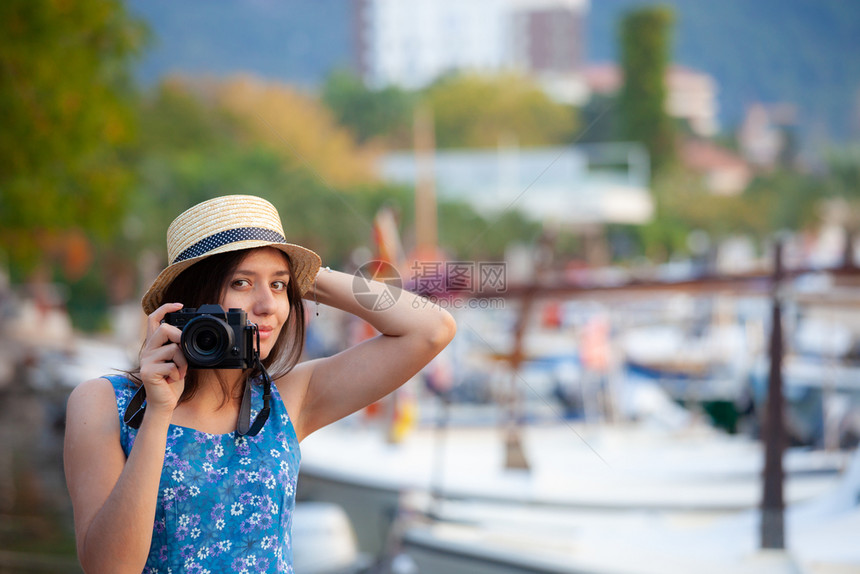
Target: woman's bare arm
114, 499
412, 332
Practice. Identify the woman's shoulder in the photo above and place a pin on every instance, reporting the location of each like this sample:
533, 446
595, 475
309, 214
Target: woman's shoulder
92, 388
108, 390
93, 398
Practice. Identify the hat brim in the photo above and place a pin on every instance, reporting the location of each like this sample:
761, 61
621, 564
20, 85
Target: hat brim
304, 265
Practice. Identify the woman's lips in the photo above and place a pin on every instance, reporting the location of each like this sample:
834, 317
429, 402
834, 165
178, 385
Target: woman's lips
265, 332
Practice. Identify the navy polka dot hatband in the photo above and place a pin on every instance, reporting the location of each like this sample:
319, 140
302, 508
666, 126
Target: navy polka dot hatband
224, 224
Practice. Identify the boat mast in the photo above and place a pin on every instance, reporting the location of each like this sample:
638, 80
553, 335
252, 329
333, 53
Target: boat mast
773, 503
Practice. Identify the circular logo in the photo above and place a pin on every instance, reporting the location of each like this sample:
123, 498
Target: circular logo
376, 285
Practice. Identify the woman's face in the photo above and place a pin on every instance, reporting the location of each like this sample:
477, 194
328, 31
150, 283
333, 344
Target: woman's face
259, 287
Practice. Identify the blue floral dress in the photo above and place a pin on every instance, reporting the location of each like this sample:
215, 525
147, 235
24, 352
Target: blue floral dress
225, 502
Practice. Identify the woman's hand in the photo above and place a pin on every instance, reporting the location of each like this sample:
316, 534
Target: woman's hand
162, 363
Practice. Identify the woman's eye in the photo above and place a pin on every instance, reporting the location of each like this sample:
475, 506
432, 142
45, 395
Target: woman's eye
241, 283
279, 286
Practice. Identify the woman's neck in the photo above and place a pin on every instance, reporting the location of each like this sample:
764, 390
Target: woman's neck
207, 410
211, 385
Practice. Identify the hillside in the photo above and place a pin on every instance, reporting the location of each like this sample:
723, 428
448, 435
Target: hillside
800, 51
293, 40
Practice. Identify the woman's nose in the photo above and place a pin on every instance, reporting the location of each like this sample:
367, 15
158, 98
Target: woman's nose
264, 302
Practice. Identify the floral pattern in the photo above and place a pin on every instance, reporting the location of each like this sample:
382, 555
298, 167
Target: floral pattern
225, 502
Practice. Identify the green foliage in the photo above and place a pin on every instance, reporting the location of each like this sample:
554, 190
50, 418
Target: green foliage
468, 111
295, 124
774, 202
600, 120
683, 205
467, 235
192, 151
312, 214
89, 301
186, 152
783, 200
844, 173
480, 112
843, 185
385, 113
174, 121
645, 55
68, 112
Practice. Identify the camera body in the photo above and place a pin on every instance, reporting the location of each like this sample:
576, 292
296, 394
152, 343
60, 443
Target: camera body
213, 338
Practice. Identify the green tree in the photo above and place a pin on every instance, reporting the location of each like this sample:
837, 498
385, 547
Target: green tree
194, 147
601, 118
384, 114
481, 111
68, 112
468, 235
782, 200
843, 167
774, 202
645, 53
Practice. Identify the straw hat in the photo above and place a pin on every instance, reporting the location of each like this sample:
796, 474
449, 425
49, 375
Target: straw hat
225, 224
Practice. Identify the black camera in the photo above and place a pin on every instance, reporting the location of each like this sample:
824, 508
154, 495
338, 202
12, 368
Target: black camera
216, 339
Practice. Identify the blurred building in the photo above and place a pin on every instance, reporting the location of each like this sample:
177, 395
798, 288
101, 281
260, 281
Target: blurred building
691, 95
573, 185
411, 44
763, 134
723, 171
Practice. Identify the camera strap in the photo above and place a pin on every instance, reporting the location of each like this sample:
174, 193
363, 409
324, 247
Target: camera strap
244, 427
133, 414
136, 407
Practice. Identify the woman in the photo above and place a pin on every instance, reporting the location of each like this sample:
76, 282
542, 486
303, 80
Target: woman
192, 489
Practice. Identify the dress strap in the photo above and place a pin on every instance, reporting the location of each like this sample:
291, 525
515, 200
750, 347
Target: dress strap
123, 389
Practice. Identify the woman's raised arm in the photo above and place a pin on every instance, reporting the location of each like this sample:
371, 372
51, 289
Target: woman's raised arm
412, 332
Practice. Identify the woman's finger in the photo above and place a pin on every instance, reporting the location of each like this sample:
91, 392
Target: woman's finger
157, 316
180, 361
158, 372
157, 364
161, 354
163, 335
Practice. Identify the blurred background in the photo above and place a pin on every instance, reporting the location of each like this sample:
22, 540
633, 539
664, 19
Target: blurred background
640, 214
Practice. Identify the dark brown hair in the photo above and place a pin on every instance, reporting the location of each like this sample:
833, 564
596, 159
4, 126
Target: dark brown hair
204, 283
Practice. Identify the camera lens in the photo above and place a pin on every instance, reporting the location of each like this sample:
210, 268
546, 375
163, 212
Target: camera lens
206, 340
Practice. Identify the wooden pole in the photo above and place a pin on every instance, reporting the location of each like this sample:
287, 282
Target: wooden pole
515, 455
425, 183
773, 504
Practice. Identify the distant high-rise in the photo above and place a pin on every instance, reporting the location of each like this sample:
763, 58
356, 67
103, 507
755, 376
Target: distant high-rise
412, 43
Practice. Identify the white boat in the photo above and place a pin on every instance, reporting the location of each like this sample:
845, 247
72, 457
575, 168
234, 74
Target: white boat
695, 473
475, 538
324, 542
